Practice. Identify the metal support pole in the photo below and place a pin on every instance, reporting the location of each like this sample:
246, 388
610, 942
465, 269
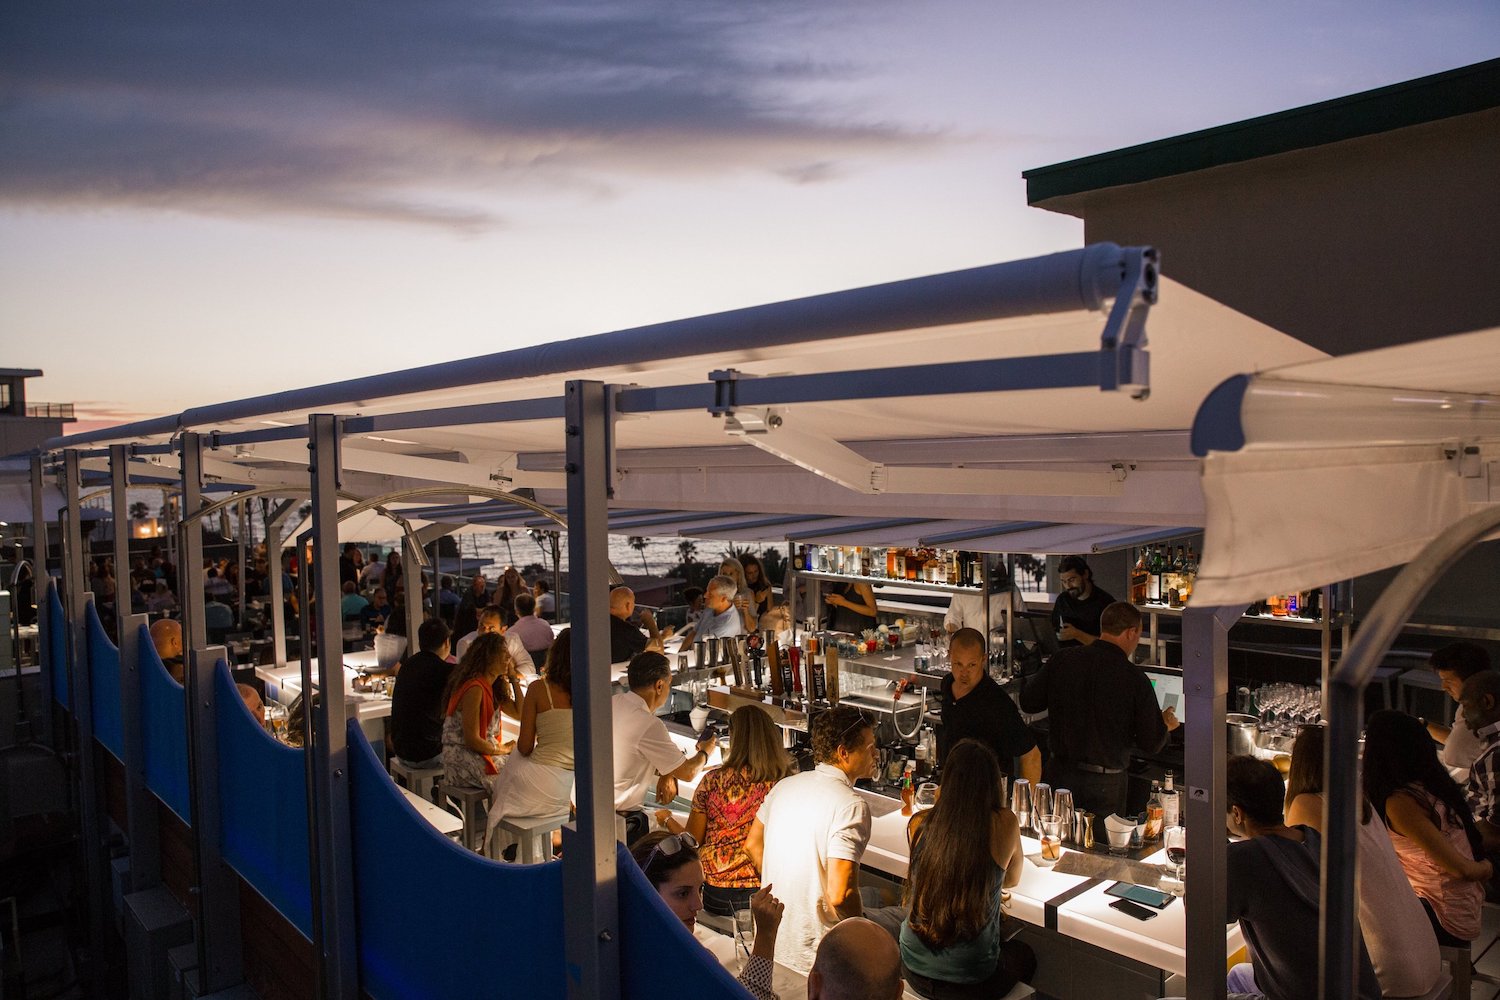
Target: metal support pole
1337, 941
140, 809
40, 578
190, 546
274, 525
141, 825
411, 564
591, 919
1205, 671
220, 953
81, 694
338, 952
240, 524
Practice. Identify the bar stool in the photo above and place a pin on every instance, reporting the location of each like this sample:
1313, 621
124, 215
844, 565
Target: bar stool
472, 805
421, 781
532, 833
1461, 968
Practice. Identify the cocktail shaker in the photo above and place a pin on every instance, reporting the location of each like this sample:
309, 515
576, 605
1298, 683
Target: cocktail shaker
1062, 805
1020, 803
1083, 828
1041, 805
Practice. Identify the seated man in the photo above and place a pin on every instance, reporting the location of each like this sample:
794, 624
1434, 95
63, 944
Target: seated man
1272, 880
417, 701
535, 634
166, 637
1454, 664
857, 960
643, 748
353, 604
810, 833
625, 640
1480, 701
377, 611
492, 620
252, 701
719, 618
546, 605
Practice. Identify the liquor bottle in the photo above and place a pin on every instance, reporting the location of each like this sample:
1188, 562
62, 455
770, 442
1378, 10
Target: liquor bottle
1314, 607
864, 560
1171, 805
921, 754
890, 563
1153, 576
1153, 815
900, 573
976, 571
1138, 579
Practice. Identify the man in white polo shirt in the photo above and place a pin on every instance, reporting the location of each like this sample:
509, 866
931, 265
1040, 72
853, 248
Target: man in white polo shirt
644, 751
810, 834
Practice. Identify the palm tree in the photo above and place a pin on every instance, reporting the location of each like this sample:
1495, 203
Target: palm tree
139, 511
688, 550
638, 542
506, 536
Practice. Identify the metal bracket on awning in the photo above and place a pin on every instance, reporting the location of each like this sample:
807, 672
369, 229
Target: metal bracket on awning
1125, 362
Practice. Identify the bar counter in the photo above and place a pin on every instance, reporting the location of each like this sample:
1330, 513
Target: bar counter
1061, 908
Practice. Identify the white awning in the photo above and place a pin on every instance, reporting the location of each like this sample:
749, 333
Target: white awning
1320, 472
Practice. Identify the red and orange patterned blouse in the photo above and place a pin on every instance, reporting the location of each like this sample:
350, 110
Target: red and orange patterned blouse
728, 800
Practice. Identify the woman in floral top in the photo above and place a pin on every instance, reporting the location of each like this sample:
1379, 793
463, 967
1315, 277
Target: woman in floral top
725, 804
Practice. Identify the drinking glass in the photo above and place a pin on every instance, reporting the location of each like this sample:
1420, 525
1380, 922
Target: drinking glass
744, 929
1051, 828
1176, 843
927, 794
892, 639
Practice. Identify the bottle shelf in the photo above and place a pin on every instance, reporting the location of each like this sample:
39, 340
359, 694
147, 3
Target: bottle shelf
937, 588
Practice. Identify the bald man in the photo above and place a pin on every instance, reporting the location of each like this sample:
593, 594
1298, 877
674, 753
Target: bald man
857, 960
166, 636
625, 639
252, 702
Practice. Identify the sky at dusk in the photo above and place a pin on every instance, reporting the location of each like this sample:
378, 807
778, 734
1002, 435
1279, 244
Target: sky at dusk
201, 202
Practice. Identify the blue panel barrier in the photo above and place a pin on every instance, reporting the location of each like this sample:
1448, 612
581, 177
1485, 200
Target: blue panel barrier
164, 719
436, 920
104, 681
655, 948
57, 646
262, 806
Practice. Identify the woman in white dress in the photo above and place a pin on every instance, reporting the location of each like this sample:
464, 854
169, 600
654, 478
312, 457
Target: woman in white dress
538, 779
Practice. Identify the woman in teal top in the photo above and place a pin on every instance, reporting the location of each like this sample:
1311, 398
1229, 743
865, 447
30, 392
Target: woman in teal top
950, 941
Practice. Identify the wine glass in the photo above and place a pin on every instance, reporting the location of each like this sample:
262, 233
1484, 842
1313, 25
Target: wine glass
892, 640
927, 794
1175, 841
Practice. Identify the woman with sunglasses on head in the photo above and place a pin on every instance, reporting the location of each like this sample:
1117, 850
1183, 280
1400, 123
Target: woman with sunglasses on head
725, 803
671, 863
951, 944
472, 751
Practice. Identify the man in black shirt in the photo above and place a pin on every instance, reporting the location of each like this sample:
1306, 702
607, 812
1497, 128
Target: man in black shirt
417, 702
1099, 705
1076, 613
625, 640
975, 707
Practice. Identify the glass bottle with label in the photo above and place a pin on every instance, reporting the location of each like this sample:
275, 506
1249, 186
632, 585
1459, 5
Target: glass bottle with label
1153, 815
1171, 805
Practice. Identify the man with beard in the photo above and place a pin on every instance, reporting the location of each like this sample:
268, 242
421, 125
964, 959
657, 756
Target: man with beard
1076, 613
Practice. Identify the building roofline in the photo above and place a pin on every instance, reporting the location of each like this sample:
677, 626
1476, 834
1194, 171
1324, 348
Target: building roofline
1462, 91
20, 373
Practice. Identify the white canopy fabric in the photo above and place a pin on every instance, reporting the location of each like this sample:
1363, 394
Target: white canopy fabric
1350, 465
1078, 455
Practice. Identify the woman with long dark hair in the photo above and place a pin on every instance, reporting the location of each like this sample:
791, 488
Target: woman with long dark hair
472, 752
1397, 935
950, 940
759, 586
725, 803
1430, 823
538, 778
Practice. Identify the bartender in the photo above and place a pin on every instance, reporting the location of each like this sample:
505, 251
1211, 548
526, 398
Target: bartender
1076, 613
975, 707
1099, 705
849, 607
